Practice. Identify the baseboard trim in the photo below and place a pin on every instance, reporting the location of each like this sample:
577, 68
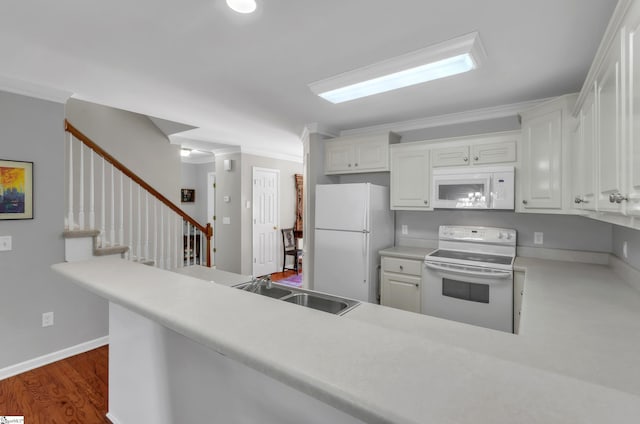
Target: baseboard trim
625, 271
49, 358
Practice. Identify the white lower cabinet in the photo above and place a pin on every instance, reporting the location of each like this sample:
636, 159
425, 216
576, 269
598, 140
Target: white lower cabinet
401, 283
518, 294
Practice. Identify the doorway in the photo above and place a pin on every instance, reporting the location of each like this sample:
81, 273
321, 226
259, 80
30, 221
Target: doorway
266, 217
211, 211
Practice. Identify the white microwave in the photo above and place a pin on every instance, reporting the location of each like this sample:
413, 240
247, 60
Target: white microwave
473, 188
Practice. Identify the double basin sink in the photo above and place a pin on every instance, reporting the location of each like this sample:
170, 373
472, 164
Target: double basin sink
310, 299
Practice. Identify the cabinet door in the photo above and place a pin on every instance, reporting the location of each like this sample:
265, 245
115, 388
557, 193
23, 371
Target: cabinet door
482, 154
541, 180
633, 119
518, 294
609, 125
338, 157
450, 156
371, 155
410, 178
576, 166
401, 292
587, 165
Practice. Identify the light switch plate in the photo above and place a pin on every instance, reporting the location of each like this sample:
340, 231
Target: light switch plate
226, 220
538, 238
5, 243
405, 230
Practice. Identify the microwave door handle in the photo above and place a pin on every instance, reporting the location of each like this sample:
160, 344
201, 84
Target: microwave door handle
494, 274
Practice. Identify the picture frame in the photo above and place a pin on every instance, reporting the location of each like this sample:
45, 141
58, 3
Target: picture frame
188, 195
16, 189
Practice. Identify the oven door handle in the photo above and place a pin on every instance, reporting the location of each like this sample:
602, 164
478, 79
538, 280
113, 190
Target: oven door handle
454, 270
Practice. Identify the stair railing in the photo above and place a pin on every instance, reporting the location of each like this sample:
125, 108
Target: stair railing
104, 195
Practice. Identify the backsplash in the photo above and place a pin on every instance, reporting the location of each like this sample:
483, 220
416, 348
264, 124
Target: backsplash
560, 231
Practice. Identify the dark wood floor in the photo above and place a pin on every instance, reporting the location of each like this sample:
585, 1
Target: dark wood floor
282, 275
70, 391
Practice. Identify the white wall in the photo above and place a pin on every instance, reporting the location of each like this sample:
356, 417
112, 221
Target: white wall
134, 141
228, 236
32, 130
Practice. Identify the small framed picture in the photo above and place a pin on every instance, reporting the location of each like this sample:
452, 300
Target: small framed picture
188, 195
16, 189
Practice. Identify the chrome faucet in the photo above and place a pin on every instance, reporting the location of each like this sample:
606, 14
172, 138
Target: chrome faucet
264, 281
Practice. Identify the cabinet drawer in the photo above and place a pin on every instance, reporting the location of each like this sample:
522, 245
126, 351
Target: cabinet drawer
402, 266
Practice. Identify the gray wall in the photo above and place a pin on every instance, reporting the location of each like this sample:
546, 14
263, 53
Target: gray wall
133, 140
32, 130
560, 231
632, 237
194, 176
287, 205
228, 237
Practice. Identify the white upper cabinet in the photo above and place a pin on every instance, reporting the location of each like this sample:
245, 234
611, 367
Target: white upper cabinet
545, 167
609, 125
355, 154
633, 118
582, 158
410, 177
481, 152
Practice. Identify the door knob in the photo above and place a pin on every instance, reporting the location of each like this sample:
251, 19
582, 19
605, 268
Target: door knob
275, 228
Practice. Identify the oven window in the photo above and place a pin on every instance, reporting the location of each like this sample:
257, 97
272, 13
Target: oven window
472, 292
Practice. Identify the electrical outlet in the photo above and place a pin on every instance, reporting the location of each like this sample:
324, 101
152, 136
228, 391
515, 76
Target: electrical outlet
538, 238
5, 243
625, 250
405, 230
47, 319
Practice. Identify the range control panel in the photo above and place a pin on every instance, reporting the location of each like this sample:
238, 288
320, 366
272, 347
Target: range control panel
478, 234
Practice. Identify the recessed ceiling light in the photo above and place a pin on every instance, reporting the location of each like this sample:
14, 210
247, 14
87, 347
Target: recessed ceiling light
442, 60
185, 152
242, 6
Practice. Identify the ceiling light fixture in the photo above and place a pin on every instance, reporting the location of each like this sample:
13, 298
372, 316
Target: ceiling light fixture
442, 60
242, 6
185, 152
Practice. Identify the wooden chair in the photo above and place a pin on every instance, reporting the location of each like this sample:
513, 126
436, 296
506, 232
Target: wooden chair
290, 248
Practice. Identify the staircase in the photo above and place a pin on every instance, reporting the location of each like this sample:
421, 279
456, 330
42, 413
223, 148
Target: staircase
112, 211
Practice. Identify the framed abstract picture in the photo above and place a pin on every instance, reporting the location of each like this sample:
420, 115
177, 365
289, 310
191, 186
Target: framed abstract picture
16, 189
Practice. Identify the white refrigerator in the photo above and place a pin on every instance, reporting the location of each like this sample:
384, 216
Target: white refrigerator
352, 223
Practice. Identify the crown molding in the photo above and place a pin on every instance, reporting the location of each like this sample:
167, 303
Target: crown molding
449, 119
317, 128
614, 26
273, 155
37, 91
198, 161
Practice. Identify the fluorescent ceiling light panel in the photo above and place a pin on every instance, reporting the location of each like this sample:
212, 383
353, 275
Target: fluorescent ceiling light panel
452, 57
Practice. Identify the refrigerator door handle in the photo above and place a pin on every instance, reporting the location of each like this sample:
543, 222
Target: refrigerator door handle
365, 262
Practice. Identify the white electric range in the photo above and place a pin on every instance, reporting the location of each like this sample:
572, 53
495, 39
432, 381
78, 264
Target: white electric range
469, 278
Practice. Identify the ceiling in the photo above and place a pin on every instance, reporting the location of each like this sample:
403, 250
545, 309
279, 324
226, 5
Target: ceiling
243, 79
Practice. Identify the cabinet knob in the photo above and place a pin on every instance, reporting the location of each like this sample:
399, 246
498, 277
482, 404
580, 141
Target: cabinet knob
417, 285
524, 202
349, 165
476, 158
465, 159
401, 268
426, 202
356, 164
578, 200
617, 198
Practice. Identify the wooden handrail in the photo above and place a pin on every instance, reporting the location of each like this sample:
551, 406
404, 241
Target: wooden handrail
207, 230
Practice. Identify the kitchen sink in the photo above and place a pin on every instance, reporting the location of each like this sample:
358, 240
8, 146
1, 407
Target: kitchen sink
307, 298
317, 302
273, 291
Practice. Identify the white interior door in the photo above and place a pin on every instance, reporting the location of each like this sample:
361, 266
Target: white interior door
266, 215
211, 209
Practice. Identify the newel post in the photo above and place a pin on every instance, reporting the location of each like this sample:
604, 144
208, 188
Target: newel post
209, 235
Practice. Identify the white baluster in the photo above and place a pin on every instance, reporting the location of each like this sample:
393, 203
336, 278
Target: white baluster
139, 240
70, 188
112, 208
130, 219
184, 246
146, 226
168, 249
190, 247
103, 206
121, 214
201, 234
81, 189
178, 246
92, 192
155, 244
161, 241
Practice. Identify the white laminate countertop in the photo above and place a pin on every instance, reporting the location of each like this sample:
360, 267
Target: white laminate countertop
213, 275
416, 253
387, 366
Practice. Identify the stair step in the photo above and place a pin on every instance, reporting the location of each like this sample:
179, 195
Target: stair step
112, 250
80, 233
